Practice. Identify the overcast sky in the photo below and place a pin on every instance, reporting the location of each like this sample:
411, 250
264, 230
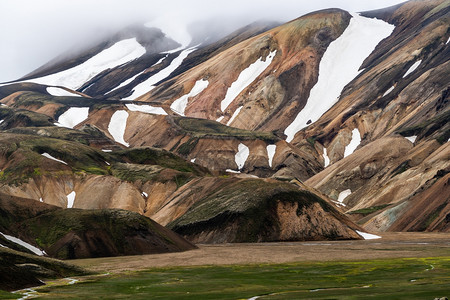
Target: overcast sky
33, 32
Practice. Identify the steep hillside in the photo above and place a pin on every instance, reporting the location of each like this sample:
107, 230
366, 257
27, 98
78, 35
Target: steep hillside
75, 233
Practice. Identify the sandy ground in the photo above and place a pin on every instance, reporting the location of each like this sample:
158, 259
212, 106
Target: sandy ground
391, 245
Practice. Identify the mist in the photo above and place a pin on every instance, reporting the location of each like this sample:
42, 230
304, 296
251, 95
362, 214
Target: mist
34, 32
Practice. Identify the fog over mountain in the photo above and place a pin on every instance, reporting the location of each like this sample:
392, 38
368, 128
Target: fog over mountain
33, 32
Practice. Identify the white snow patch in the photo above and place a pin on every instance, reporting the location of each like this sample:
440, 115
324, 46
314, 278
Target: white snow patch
148, 84
73, 116
219, 119
2, 104
412, 68
193, 160
147, 109
389, 90
448, 40
241, 156
356, 140
368, 236
339, 65
412, 138
232, 171
106, 150
271, 149
71, 280
117, 126
325, 158
107, 163
56, 91
235, 114
129, 80
1, 121
344, 194
71, 199
144, 194
73, 78
246, 77
40, 200
17, 241
179, 105
171, 26
53, 158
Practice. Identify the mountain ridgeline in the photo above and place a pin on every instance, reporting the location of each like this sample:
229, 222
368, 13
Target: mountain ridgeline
321, 128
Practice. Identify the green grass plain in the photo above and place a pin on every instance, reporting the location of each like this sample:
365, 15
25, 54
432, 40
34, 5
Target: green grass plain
406, 278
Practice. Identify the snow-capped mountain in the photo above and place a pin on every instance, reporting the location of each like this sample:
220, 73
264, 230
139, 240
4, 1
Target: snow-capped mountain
350, 108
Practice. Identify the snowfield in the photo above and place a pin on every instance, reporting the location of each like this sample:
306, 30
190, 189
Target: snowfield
412, 68
53, 158
246, 77
148, 85
179, 105
235, 114
344, 194
368, 236
117, 126
325, 158
148, 109
271, 149
17, 241
412, 138
57, 91
71, 199
73, 78
241, 156
339, 65
73, 116
354, 143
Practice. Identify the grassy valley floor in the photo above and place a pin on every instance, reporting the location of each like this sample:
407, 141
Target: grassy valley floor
398, 266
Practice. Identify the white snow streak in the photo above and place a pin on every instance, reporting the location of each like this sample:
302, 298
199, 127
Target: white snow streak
271, 149
51, 157
246, 77
412, 138
325, 158
339, 65
235, 114
17, 241
179, 105
144, 194
356, 140
232, 171
241, 156
368, 236
412, 68
73, 116
106, 150
56, 91
148, 84
71, 199
147, 109
117, 126
1, 121
73, 78
129, 80
219, 119
344, 194
193, 160
389, 90
41, 200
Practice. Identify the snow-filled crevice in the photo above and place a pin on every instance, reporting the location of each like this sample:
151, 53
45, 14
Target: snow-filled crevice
57, 91
53, 158
73, 116
71, 199
339, 65
179, 105
412, 68
246, 77
116, 55
354, 143
17, 241
118, 125
235, 114
241, 156
271, 149
148, 109
149, 84
326, 159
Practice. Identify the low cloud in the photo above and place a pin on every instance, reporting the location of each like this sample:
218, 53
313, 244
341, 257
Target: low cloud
33, 32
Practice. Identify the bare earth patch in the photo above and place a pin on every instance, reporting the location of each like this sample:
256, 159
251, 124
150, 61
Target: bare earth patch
391, 245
